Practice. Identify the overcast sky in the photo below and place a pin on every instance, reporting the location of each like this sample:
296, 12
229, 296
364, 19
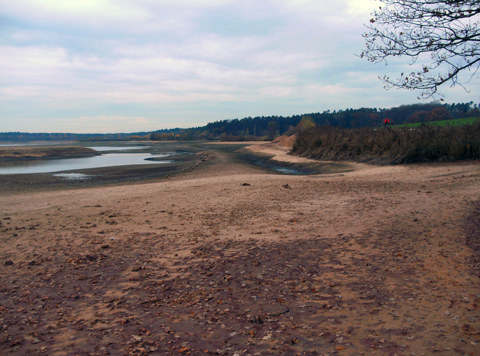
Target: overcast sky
141, 65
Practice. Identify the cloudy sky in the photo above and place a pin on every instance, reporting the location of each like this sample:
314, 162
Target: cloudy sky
140, 65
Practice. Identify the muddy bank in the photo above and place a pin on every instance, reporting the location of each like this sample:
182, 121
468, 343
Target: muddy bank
97, 176
33, 153
274, 158
204, 157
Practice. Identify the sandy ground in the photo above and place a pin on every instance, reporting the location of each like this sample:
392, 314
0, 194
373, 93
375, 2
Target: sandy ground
228, 260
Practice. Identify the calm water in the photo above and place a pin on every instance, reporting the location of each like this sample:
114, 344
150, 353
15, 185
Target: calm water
68, 164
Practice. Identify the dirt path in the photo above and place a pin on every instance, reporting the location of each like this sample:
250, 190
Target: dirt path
231, 261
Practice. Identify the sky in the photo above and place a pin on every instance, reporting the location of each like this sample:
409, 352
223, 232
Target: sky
106, 66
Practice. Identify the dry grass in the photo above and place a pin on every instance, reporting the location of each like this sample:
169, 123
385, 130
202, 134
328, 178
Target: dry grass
390, 146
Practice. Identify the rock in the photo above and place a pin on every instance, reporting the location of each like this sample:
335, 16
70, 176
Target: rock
137, 338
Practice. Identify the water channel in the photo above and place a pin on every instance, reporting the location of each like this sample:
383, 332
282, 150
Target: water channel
69, 164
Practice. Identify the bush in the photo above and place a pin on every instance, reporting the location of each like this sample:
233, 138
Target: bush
231, 138
390, 145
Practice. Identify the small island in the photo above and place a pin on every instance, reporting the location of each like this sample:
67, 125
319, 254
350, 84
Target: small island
47, 152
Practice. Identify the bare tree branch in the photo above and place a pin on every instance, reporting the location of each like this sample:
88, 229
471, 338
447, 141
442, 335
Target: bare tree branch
447, 30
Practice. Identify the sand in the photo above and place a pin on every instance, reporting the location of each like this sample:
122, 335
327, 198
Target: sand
228, 260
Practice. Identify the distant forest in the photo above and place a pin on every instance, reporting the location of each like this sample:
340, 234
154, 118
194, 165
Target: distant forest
267, 127
60, 136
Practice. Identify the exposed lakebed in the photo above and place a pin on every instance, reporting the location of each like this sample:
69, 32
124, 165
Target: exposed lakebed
123, 163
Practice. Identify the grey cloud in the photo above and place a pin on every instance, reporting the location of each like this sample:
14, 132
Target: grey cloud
185, 61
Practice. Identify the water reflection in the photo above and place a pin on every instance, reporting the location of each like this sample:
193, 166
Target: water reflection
73, 176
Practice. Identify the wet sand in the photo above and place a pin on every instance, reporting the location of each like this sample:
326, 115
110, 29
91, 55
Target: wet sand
226, 259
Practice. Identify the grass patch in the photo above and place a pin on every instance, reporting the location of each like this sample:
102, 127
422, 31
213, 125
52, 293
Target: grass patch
453, 122
427, 143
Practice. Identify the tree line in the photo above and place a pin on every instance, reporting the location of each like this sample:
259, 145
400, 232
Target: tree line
267, 127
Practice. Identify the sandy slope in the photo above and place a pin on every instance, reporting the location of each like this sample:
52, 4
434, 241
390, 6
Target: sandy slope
231, 261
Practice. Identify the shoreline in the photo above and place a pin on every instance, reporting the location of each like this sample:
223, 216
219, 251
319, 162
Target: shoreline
203, 157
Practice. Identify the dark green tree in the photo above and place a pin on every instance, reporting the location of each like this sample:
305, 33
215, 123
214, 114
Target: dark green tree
272, 129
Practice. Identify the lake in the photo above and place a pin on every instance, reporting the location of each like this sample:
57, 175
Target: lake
69, 164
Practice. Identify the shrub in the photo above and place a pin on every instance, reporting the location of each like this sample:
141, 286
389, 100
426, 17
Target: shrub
390, 145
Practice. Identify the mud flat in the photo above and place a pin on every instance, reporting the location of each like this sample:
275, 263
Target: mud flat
197, 156
227, 259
